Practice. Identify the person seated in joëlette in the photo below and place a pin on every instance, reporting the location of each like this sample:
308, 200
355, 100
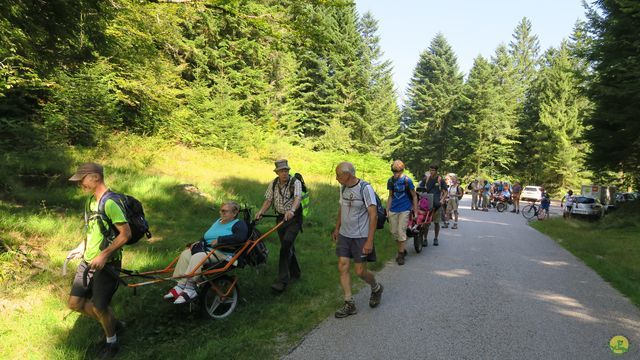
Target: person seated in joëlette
227, 230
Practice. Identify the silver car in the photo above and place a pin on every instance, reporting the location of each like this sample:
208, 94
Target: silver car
587, 206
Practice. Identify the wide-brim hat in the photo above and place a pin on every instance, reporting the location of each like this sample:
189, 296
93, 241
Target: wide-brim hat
86, 169
281, 164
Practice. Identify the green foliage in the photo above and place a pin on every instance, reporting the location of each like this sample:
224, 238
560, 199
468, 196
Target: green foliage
225, 75
559, 108
429, 117
615, 53
488, 140
40, 220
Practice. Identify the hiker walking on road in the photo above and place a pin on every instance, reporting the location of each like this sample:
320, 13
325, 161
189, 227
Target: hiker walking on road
285, 194
355, 228
486, 188
475, 194
402, 200
454, 194
436, 188
516, 190
101, 256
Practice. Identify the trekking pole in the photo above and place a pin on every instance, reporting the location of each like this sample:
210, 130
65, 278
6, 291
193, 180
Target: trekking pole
64, 266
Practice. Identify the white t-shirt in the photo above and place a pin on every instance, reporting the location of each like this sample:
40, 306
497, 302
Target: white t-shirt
354, 216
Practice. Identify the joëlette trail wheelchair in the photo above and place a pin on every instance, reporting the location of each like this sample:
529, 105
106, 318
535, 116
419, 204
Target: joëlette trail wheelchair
418, 226
217, 288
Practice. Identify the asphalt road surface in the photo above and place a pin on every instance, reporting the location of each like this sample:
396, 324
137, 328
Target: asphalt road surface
494, 289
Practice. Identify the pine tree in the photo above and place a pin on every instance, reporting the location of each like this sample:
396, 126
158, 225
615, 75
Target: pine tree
524, 50
383, 114
615, 92
488, 134
429, 116
559, 108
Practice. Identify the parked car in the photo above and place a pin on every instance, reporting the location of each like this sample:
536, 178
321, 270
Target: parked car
624, 197
587, 206
531, 193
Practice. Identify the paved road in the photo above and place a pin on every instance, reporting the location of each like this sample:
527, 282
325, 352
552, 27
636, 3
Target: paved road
494, 289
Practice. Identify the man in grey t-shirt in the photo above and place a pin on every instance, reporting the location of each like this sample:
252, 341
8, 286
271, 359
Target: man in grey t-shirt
355, 227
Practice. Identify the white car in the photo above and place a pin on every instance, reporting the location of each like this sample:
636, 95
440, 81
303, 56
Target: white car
531, 193
587, 206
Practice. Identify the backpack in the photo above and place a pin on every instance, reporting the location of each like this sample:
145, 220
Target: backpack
460, 192
304, 201
406, 186
259, 254
470, 186
133, 212
380, 210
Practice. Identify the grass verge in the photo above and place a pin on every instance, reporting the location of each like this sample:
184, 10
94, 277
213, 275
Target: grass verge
40, 221
611, 247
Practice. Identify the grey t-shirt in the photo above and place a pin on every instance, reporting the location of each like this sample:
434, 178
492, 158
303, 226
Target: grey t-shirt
354, 217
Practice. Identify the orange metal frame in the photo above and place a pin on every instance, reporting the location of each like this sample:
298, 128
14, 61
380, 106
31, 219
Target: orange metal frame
246, 248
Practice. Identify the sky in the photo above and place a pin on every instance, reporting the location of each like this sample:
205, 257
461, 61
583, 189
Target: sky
472, 27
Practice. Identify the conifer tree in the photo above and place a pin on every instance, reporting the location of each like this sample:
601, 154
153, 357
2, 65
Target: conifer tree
524, 50
615, 55
429, 112
558, 108
383, 114
488, 133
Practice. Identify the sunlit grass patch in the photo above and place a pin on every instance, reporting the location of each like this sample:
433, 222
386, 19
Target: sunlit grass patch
612, 251
34, 305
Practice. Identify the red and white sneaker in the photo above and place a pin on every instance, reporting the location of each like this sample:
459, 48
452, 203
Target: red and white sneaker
173, 293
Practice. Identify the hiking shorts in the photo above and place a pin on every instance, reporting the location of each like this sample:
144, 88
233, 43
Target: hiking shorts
352, 248
398, 222
101, 285
437, 214
452, 205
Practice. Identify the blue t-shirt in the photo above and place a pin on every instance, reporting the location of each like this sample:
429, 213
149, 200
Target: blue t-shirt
401, 199
219, 229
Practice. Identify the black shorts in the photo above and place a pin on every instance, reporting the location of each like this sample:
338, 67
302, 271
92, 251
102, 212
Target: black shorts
352, 248
101, 285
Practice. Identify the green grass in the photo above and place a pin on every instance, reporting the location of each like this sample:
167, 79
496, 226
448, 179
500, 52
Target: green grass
611, 247
40, 221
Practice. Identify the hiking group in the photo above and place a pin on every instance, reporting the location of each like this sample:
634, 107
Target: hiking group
113, 220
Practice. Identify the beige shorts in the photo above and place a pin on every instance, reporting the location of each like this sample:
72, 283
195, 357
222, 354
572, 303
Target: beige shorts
398, 222
452, 205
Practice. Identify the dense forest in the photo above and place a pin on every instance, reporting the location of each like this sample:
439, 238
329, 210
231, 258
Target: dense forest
240, 75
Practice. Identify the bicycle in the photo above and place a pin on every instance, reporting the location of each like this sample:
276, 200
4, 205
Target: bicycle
531, 210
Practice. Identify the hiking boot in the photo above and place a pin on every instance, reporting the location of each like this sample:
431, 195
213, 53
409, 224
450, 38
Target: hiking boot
435, 242
514, 210
349, 308
425, 243
374, 300
278, 286
400, 258
455, 226
109, 351
445, 225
